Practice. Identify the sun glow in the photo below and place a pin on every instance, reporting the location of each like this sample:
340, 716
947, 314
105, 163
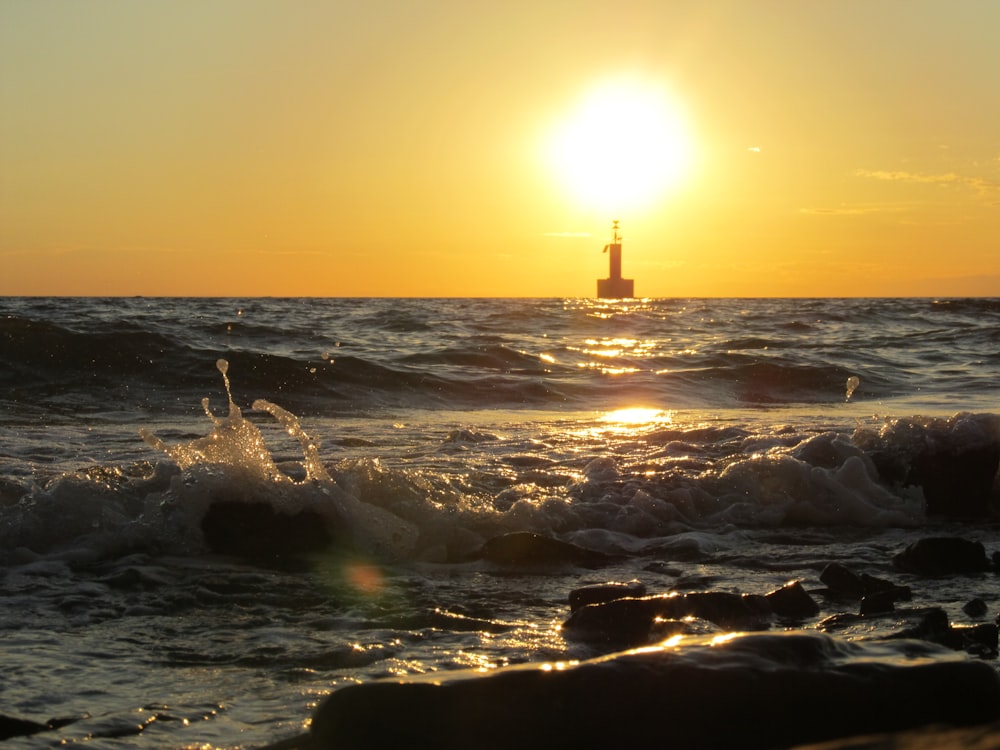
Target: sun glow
622, 147
637, 416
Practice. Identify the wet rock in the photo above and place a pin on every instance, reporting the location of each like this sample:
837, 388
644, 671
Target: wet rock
839, 621
599, 593
631, 621
728, 611
980, 640
957, 482
937, 556
11, 726
662, 629
622, 622
665, 696
877, 603
256, 531
873, 585
792, 601
843, 582
525, 548
981, 737
935, 627
663, 568
975, 608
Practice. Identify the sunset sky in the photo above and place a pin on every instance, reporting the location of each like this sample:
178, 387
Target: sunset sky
454, 148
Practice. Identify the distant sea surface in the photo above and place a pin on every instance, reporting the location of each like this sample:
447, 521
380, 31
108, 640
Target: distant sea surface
705, 444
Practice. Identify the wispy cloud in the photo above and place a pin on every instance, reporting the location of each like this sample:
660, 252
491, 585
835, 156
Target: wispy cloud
753, 149
841, 211
845, 209
943, 178
567, 234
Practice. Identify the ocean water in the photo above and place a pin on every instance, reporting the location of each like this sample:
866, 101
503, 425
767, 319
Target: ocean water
701, 444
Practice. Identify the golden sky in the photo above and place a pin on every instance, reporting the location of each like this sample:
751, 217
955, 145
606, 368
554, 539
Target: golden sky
454, 148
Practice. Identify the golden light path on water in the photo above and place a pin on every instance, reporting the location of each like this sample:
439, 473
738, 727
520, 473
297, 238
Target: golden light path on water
638, 416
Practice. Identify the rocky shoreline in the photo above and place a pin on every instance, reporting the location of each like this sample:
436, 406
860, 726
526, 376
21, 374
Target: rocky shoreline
704, 669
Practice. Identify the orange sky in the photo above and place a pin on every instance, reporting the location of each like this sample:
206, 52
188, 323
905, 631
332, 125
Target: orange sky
405, 147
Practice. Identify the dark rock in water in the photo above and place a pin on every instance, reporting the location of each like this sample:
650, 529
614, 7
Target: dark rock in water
873, 585
935, 627
980, 737
981, 640
258, 532
955, 464
728, 611
525, 548
959, 482
937, 556
839, 621
975, 608
623, 622
844, 582
752, 692
662, 629
13, 727
631, 621
877, 603
599, 593
792, 601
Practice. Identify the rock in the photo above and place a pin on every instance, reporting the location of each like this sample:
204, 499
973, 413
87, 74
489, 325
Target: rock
873, 585
525, 548
878, 603
975, 608
845, 583
981, 737
937, 556
630, 622
957, 482
752, 692
622, 622
842, 581
953, 461
599, 593
792, 601
935, 627
11, 726
257, 531
728, 611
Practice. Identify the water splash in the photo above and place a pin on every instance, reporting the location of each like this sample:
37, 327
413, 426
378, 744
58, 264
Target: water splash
236, 442
310, 451
852, 385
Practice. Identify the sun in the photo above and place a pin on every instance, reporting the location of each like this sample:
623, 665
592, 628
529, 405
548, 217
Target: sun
622, 146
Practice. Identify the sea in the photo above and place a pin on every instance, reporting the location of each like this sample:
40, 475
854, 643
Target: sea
699, 444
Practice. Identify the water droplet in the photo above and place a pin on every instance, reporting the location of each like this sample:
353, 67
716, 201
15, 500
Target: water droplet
852, 385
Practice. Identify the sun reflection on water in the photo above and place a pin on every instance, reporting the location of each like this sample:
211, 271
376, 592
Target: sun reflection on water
638, 416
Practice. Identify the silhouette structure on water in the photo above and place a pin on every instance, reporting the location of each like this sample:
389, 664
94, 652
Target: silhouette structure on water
615, 287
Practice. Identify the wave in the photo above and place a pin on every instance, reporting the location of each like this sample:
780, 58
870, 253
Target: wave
228, 486
328, 356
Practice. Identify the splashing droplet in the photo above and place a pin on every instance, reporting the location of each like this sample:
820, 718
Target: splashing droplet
852, 385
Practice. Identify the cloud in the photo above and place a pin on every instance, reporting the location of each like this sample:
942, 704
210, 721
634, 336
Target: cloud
903, 176
567, 234
856, 210
839, 211
753, 149
946, 178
